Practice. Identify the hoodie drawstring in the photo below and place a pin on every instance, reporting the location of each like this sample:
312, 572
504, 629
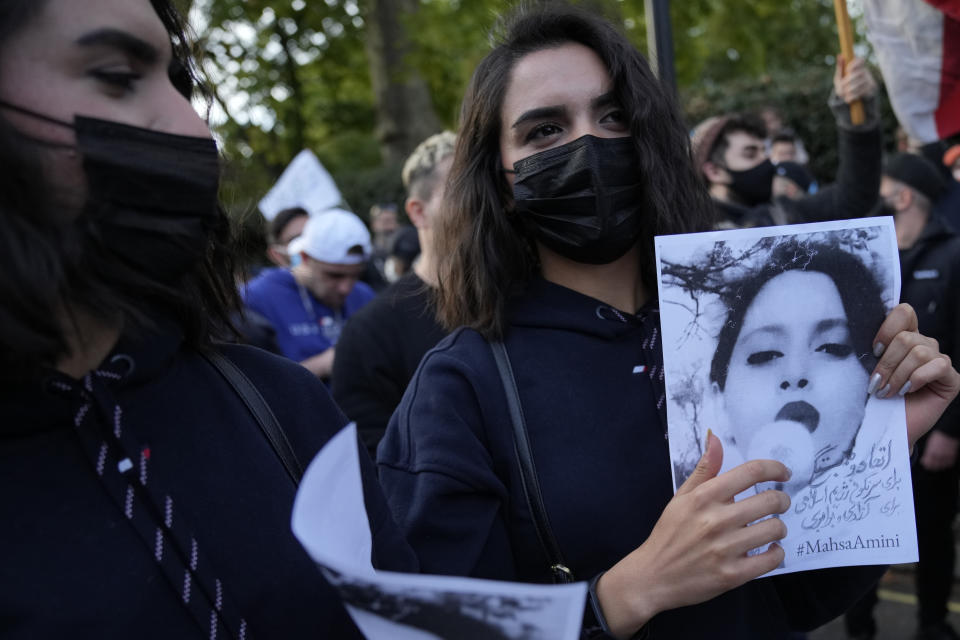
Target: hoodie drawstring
651, 351
123, 465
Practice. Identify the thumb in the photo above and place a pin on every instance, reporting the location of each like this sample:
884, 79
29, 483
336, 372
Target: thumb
707, 468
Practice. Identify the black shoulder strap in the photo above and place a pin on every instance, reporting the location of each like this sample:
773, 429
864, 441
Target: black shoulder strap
528, 472
261, 412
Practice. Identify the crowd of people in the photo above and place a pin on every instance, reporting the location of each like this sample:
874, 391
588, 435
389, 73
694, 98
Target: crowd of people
140, 496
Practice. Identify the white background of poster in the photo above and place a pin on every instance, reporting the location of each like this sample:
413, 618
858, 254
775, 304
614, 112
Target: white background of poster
858, 512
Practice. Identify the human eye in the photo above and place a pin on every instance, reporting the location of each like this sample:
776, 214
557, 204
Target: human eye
836, 349
543, 130
763, 357
118, 79
614, 115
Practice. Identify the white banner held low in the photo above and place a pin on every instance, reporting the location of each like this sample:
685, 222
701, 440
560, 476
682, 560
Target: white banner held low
330, 521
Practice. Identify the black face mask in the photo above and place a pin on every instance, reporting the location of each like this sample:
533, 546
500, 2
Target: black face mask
583, 199
754, 186
151, 196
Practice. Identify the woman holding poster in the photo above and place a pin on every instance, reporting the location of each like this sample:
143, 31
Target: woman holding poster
570, 159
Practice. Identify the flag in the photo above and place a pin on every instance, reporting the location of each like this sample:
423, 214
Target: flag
917, 43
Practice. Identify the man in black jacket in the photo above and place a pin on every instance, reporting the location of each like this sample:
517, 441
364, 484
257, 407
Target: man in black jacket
381, 347
731, 154
930, 272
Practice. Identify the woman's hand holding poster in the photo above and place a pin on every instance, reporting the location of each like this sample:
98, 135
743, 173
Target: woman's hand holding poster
768, 338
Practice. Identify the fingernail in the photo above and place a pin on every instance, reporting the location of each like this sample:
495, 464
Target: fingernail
883, 392
709, 433
789, 473
904, 389
878, 349
874, 383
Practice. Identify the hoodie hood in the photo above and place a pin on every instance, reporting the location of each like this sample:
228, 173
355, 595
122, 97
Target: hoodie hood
546, 305
33, 405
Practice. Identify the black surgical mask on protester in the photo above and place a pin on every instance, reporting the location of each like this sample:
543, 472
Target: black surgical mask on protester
151, 196
583, 199
754, 186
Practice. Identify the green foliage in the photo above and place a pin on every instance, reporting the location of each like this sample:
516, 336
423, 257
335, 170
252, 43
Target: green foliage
718, 41
287, 76
799, 96
801, 99
294, 73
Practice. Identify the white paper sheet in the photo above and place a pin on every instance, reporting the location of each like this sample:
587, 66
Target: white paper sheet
793, 385
330, 521
304, 183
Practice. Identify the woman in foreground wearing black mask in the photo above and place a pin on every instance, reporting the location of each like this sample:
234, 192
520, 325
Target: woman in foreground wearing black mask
570, 159
138, 495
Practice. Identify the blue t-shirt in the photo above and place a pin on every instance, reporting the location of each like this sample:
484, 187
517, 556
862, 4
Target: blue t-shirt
304, 325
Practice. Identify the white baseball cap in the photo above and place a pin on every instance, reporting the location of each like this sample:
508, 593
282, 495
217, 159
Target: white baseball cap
329, 236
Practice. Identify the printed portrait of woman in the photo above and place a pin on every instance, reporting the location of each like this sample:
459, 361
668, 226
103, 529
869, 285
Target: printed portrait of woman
791, 369
775, 348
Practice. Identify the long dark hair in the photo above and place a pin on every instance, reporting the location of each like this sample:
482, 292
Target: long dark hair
486, 256
49, 269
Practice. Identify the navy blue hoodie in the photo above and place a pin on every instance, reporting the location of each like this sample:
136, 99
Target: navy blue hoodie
73, 566
590, 383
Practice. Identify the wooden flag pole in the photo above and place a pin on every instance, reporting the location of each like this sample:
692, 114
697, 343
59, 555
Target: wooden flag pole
845, 29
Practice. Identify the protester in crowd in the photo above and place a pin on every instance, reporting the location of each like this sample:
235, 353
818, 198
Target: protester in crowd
404, 250
139, 497
774, 124
384, 223
309, 304
571, 157
930, 269
254, 328
281, 231
783, 147
383, 344
729, 152
792, 181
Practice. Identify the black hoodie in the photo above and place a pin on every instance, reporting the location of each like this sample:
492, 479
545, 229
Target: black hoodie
592, 390
72, 564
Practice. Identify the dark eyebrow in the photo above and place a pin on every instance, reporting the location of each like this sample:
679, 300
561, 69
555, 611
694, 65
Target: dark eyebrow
538, 113
132, 45
606, 100
832, 323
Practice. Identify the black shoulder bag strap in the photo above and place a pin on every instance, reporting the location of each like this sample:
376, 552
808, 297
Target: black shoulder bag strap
261, 412
528, 472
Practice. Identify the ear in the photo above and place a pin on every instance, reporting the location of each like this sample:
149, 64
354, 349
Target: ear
715, 173
276, 257
904, 199
414, 208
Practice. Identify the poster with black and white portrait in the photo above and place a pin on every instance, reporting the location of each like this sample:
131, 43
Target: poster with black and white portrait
768, 341
330, 521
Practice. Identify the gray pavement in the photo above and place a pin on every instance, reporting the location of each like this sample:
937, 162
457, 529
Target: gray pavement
896, 613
